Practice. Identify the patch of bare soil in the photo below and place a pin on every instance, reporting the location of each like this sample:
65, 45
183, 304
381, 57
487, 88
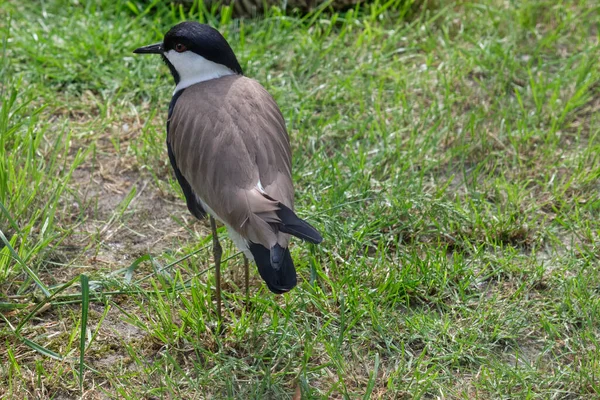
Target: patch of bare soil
115, 231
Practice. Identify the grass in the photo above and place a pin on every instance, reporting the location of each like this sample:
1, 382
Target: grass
449, 156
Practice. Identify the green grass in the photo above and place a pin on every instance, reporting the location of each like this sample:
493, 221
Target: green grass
450, 156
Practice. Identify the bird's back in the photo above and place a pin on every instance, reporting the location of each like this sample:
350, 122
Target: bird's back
229, 141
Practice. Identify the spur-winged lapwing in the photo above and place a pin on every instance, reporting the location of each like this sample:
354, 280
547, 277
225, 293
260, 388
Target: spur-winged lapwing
230, 150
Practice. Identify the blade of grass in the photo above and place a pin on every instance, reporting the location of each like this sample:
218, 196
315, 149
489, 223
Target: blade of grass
85, 303
43, 303
41, 349
29, 271
372, 379
10, 219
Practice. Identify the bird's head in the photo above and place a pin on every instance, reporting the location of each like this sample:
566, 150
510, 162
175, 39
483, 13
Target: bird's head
194, 53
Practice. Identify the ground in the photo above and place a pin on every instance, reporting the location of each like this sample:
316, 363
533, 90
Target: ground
447, 151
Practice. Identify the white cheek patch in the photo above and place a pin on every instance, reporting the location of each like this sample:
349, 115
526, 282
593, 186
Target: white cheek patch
193, 68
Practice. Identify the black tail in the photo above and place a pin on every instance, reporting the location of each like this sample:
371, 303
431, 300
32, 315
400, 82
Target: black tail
292, 224
275, 267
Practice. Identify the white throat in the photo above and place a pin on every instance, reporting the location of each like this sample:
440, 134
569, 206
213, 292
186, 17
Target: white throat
193, 68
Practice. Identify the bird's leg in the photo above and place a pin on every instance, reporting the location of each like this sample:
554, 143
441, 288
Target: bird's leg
217, 252
247, 280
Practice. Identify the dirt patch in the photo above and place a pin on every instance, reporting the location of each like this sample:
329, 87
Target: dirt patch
122, 213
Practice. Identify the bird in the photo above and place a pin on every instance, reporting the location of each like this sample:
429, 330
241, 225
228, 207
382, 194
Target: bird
229, 148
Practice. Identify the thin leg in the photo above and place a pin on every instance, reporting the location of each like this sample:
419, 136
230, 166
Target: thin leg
217, 252
247, 279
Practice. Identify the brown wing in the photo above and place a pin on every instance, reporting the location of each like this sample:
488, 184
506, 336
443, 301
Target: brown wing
227, 135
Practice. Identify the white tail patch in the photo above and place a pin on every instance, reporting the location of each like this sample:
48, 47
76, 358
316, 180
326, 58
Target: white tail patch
240, 242
236, 238
260, 187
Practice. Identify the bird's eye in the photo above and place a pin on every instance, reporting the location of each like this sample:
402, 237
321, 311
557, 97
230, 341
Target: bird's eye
180, 48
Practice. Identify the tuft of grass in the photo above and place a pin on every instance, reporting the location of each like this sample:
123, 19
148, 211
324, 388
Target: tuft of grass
447, 151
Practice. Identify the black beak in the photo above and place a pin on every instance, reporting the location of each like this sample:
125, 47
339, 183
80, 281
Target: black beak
156, 48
